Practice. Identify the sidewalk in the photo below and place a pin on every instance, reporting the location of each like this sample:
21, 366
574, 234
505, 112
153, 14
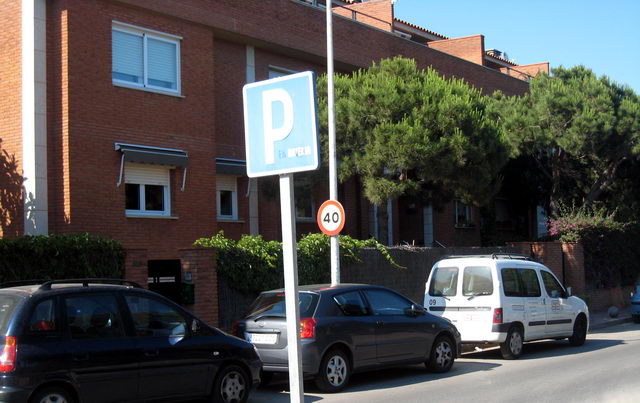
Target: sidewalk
602, 319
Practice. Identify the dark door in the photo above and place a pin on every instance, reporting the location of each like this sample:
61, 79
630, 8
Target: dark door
173, 362
399, 336
100, 355
356, 325
165, 278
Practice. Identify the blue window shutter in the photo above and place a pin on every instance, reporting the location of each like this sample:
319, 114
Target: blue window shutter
127, 57
162, 68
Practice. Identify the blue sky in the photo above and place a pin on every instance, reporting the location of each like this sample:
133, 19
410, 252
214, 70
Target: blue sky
602, 35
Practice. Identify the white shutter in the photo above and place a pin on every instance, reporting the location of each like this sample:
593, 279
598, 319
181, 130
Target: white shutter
144, 174
226, 182
127, 56
162, 63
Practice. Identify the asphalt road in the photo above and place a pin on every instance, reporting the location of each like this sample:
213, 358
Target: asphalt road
605, 369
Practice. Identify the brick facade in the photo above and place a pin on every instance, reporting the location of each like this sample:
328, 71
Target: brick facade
87, 114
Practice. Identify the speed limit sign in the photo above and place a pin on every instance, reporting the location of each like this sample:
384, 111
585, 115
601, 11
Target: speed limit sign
331, 217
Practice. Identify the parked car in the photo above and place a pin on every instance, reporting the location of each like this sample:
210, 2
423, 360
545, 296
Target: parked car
635, 305
349, 328
506, 299
92, 340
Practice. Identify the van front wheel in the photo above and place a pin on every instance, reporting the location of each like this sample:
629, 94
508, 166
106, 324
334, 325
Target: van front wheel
511, 348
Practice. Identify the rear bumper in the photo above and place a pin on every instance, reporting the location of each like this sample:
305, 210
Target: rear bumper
12, 394
277, 360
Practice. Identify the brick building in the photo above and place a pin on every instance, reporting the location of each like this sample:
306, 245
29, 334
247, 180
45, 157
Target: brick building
124, 118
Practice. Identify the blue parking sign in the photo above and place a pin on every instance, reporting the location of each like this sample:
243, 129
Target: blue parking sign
280, 125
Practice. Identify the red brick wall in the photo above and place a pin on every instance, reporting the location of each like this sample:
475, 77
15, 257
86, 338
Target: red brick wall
202, 266
445, 231
11, 203
377, 13
470, 48
527, 71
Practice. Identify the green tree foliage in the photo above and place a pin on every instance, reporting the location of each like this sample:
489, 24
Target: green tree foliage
402, 130
579, 129
253, 264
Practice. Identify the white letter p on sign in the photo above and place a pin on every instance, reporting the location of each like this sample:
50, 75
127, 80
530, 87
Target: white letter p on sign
273, 134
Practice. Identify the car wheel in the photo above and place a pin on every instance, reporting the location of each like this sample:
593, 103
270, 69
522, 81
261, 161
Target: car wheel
636, 318
579, 332
52, 395
442, 355
334, 372
511, 348
231, 386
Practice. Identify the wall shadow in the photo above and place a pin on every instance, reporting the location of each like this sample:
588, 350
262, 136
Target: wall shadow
11, 199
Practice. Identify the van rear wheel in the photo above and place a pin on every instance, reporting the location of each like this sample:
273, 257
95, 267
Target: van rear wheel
511, 348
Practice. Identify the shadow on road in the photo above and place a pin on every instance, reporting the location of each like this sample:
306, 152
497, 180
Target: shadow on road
548, 348
367, 381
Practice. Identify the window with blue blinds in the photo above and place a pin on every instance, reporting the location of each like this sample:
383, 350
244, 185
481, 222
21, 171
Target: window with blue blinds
145, 59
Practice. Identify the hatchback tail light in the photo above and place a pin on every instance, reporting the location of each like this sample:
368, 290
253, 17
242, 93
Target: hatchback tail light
497, 315
307, 328
8, 356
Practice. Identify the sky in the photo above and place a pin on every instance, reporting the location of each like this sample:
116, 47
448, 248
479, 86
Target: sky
603, 35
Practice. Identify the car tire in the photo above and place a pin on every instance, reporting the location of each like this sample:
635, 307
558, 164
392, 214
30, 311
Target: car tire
442, 355
579, 331
511, 348
52, 394
335, 371
636, 318
232, 385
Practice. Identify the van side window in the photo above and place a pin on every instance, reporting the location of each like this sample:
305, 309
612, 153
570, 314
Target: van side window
444, 282
553, 287
477, 281
511, 283
43, 318
93, 317
530, 283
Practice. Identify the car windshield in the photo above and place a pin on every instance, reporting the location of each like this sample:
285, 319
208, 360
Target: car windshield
272, 304
8, 304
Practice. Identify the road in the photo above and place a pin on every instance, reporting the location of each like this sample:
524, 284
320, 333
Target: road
605, 369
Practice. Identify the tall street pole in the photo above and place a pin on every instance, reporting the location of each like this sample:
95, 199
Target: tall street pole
333, 176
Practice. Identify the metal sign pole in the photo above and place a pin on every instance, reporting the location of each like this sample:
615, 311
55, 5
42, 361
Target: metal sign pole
290, 260
333, 177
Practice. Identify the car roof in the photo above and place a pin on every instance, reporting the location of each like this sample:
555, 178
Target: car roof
488, 259
328, 288
31, 287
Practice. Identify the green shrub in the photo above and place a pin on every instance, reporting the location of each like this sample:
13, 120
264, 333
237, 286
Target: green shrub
253, 264
60, 257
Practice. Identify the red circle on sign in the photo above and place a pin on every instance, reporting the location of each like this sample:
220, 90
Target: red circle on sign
331, 217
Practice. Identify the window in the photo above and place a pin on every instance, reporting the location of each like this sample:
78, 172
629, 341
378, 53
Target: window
444, 282
304, 204
530, 282
273, 304
147, 190
351, 304
154, 318
387, 303
477, 281
43, 318
93, 316
227, 197
511, 283
145, 59
462, 215
553, 287
275, 71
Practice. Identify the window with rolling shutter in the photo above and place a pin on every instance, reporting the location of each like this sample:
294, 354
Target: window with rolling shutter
145, 59
227, 197
147, 190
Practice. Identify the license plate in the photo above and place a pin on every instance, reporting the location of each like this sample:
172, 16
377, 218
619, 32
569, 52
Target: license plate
262, 338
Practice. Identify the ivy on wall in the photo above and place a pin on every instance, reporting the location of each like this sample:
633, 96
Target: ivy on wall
59, 257
253, 264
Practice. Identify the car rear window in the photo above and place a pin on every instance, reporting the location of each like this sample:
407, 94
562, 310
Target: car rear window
8, 304
272, 304
444, 282
477, 280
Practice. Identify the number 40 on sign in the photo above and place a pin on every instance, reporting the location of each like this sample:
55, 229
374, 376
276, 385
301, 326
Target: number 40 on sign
331, 217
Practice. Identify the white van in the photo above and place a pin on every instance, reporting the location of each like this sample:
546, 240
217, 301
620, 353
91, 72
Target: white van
504, 299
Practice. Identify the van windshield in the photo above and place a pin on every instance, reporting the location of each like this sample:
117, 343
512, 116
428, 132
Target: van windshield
477, 281
444, 282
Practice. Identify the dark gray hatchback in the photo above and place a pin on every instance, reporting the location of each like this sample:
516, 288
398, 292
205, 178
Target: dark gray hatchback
349, 328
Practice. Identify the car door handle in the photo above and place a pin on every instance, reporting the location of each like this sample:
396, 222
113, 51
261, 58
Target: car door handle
379, 323
80, 357
151, 353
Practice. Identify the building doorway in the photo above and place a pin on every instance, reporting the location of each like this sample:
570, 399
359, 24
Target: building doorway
165, 278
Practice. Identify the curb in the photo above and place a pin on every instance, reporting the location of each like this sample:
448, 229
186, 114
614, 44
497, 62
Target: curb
608, 323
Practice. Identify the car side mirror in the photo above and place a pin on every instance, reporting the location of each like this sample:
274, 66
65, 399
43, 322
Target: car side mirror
569, 292
195, 326
416, 310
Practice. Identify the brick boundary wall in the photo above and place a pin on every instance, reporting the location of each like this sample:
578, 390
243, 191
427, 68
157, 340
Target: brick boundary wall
201, 264
135, 266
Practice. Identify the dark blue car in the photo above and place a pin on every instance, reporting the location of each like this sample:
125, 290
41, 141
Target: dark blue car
90, 341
